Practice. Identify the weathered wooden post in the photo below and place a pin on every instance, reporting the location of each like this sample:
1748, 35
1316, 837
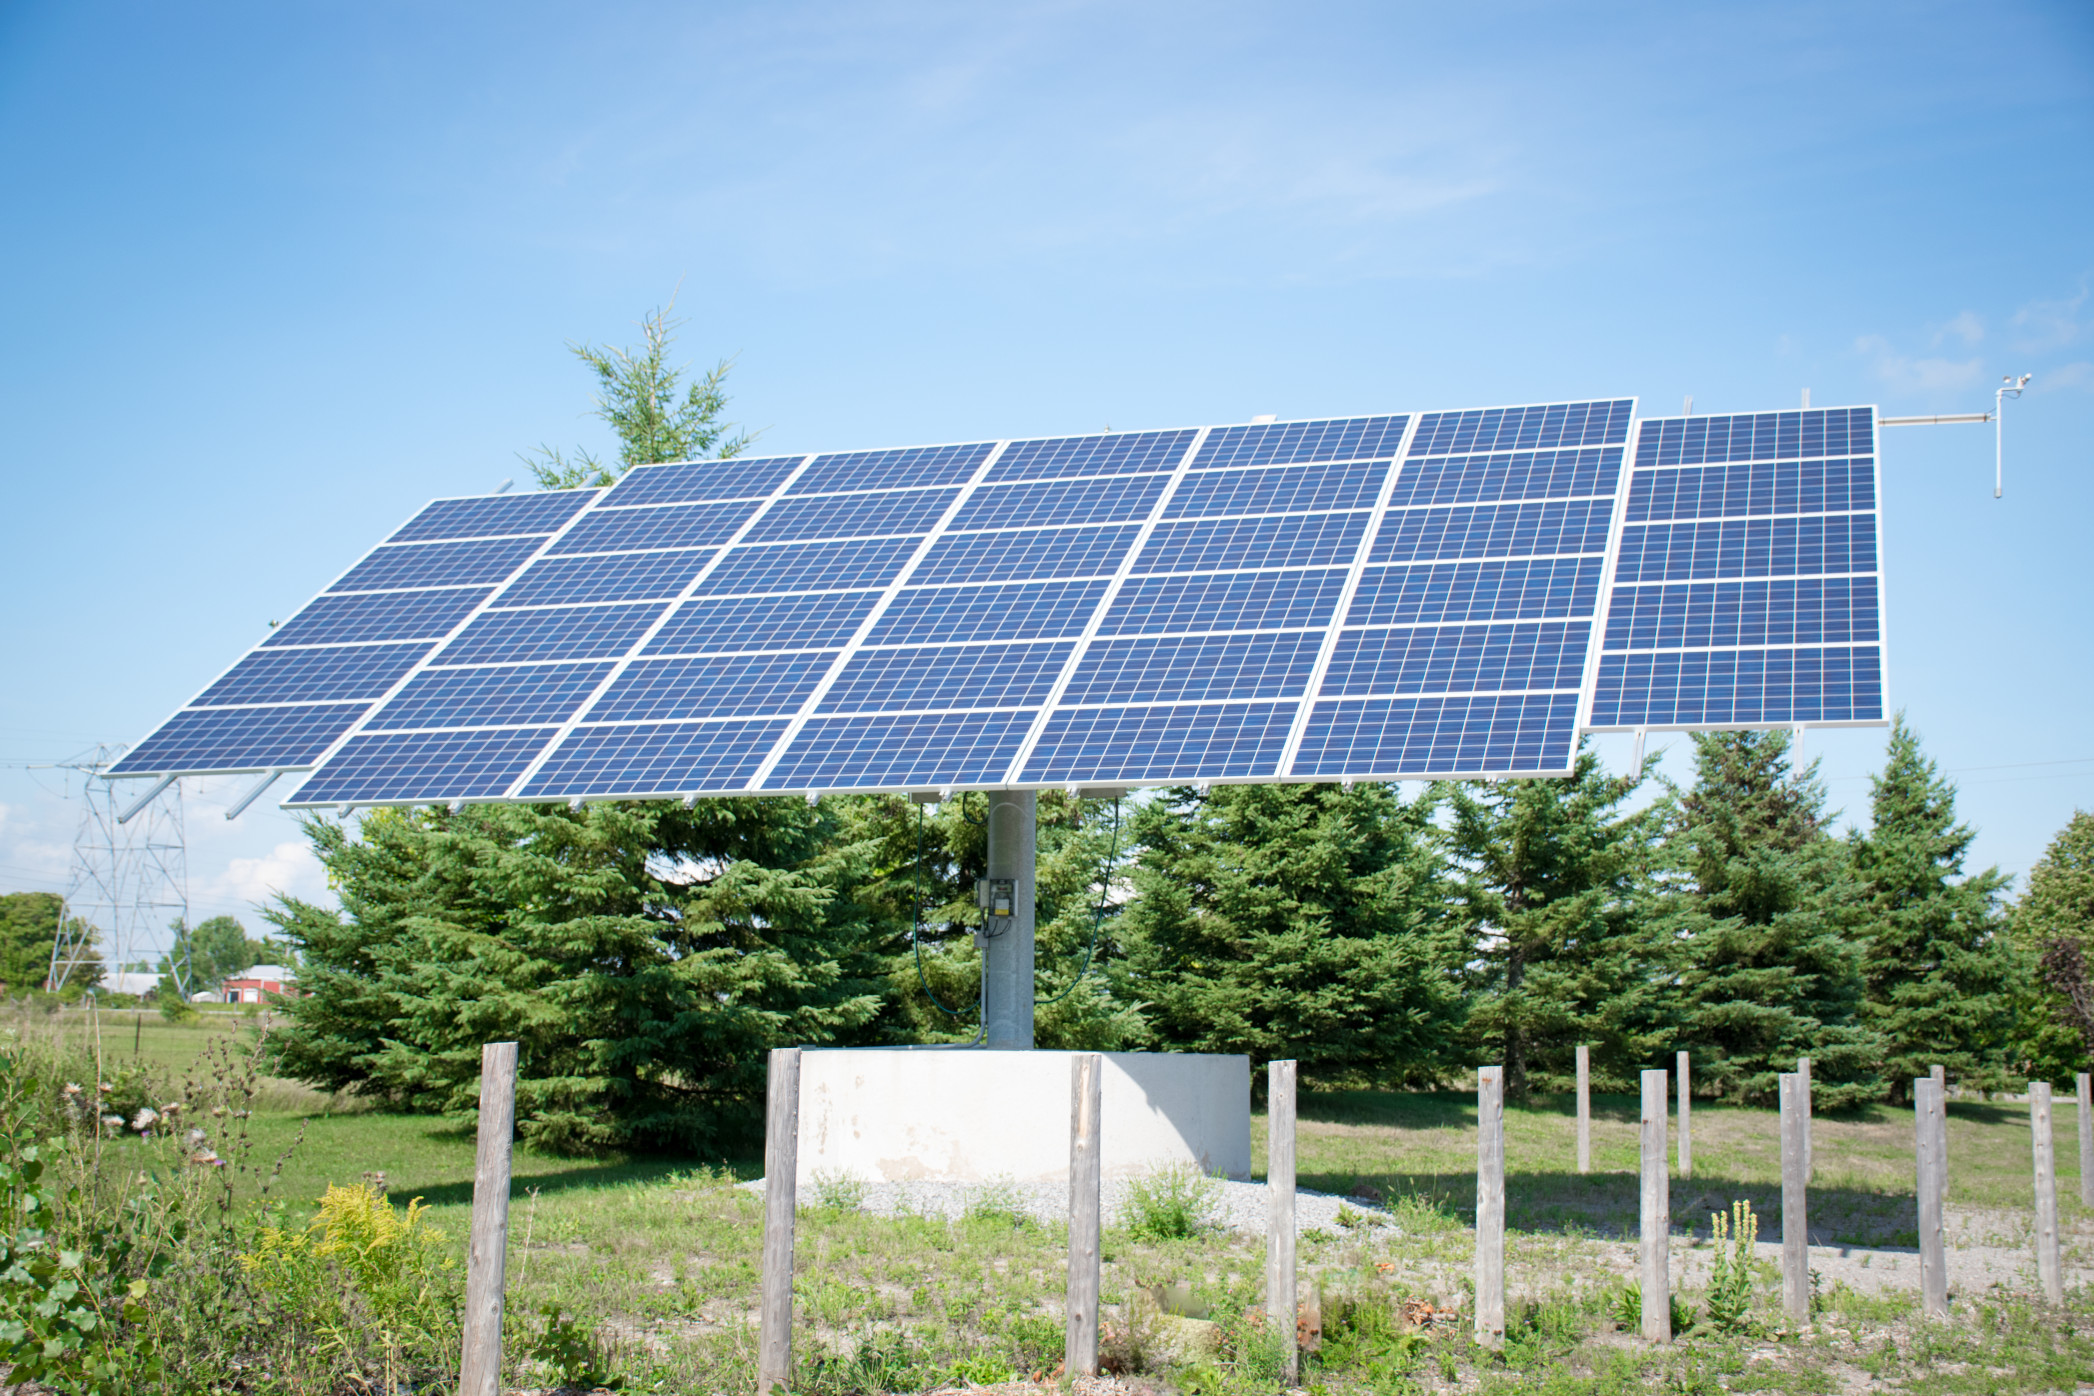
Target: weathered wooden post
2048, 1270
1927, 1104
1490, 1205
1803, 1073
2086, 1140
1940, 1075
1686, 1117
781, 1169
1584, 1108
1795, 1185
1279, 1225
1080, 1333
487, 1249
1657, 1213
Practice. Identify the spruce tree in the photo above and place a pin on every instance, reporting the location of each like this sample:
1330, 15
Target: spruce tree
1934, 964
1552, 898
2057, 907
1298, 921
1761, 909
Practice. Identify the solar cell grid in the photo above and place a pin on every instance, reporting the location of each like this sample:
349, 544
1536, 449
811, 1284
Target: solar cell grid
1278, 490
334, 673
494, 516
418, 766
383, 615
852, 515
743, 685
1277, 443
1494, 530
1722, 688
1287, 540
1179, 669
1224, 601
1515, 589
490, 696
900, 752
670, 484
1523, 428
1831, 610
879, 470
240, 739
1523, 475
1095, 551
1839, 431
398, 566
958, 676
829, 566
655, 526
1216, 741
1767, 487
655, 758
1061, 502
707, 626
1807, 546
1459, 659
558, 632
1020, 611
1505, 734
605, 577
1118, 453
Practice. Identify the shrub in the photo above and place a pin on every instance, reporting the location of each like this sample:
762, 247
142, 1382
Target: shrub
1730, 1268
838, 1192
1171, 1203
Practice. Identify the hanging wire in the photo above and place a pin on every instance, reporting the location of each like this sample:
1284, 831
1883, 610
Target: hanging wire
916, 923
1097, 916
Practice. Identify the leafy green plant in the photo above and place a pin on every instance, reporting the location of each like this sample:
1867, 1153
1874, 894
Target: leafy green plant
573, 1351
1730, 1268
996, 1201
1170, 1203
838, 1192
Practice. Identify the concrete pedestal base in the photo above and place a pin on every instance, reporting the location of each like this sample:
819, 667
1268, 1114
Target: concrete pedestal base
957, 1115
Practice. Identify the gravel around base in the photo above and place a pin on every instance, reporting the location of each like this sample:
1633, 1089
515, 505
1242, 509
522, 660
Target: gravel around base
1235, 1207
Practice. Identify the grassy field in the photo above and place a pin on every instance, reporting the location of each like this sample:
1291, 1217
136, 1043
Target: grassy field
659, 1255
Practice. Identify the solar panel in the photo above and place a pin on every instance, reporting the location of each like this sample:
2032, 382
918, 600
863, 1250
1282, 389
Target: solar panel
1746, 590
1357, 598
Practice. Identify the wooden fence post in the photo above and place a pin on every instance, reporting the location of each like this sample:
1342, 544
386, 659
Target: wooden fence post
1926, 1118
1940, 1074
1584, 1108
2048, 1270
1657, 1213
2086, 1139
1279, 1226
1804, 1103
1490, 1205
1686, 1117
1795, 1187
487, 1250
1080, 1332
781, 1169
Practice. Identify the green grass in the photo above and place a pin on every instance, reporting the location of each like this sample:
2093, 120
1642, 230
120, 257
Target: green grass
659, 1255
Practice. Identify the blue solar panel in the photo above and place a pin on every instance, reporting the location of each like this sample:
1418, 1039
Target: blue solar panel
1116, 453
1277, 443
564, 632
865, 562
606, 577
1494, 530
656, 526
1524, 475
903, 751
384, 615
1225, 601
1020, 611
737, 685
763, 623
1524, 428
880, 470
490, 696
1287, 540
1190, 669
1279, 490
958, 676
240, 739
853, 515
337, 672
411, 767
1745, 587
705, 479
397, 566
654, 758
1510, 734
1459, 659
1518, 589
1061, 502
1044, 552
493, 516
1214, 741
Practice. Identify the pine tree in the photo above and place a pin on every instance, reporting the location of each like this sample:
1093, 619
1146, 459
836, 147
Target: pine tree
643, 956
2058, 907
1761, 908
1935, 967
1552, 899
1299, 921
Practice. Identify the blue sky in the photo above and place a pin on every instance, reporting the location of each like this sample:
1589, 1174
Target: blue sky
277, 275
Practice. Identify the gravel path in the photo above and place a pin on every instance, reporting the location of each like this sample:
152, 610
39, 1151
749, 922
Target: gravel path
1235, 1207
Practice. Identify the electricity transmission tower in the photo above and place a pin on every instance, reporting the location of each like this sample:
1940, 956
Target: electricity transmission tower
129, 880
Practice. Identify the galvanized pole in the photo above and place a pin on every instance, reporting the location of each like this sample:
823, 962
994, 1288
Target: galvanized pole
1584, 1108
1279, 1225
1080, 1333
1795, 1184
1657, 1214
2048, 1270
1926, 1120
487, 1250
1007, 941
1686, 1116
781, 1167
1490, 1205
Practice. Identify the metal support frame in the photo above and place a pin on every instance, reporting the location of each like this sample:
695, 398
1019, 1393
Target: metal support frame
129, 881
1008, 941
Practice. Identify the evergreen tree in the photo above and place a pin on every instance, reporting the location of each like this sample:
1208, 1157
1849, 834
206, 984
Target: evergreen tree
1934, 964
1761, 909
28, 930
1552, 898
2057, 908
644, 957
1297, 921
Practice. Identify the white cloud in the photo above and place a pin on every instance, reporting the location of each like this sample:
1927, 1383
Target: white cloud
1910, 375
289, 867
2042, 325
2077, 376
1967, 327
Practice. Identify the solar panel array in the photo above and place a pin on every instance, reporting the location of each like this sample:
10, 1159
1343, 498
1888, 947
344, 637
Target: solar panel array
1356, 598
1746, 590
